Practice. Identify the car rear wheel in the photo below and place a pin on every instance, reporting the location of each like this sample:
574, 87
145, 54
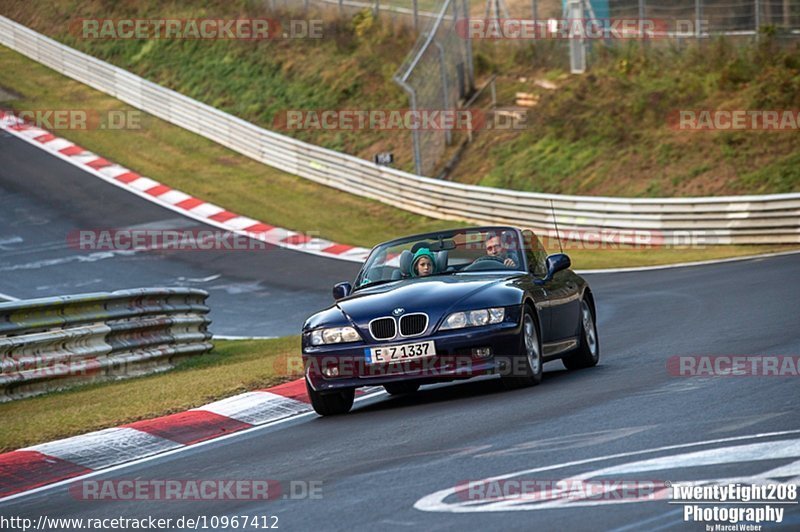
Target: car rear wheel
331, 403
588, 353
400, 388
526, 369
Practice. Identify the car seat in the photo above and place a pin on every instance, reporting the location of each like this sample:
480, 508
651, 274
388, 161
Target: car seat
405, 265
441, 260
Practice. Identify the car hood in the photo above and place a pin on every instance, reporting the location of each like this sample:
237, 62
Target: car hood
436, 296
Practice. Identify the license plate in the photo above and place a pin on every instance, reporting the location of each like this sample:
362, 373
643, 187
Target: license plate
395, 353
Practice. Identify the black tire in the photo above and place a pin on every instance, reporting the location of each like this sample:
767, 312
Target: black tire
331, 403
400, 388
588, 353
526, 367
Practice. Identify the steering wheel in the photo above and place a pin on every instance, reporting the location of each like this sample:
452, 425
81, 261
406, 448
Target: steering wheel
489, 257
482, 263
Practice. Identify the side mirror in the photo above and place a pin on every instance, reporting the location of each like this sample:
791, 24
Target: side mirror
555, 263
341, 290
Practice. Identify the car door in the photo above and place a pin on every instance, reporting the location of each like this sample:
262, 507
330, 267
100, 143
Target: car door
535, 256
564, 297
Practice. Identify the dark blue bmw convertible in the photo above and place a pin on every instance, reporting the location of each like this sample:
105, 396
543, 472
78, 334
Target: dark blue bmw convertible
449, 305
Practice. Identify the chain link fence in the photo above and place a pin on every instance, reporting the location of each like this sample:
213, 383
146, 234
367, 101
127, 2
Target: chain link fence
438, 75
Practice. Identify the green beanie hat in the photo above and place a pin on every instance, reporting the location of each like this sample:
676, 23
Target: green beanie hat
422, 252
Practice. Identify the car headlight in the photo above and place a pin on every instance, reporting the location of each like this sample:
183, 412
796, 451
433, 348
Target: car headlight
334, 335
473, 318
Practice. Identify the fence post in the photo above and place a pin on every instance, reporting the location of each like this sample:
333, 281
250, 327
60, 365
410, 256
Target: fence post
577, 50
758, 16
448, 135
641, 20
412, 96
377, 9
415, 4
468, 47
341, 6
698, 10
535, 9
786, 14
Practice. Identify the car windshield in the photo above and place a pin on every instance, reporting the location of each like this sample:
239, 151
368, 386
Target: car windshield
445, 253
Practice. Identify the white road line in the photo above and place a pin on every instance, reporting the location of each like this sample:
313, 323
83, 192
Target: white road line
434, 502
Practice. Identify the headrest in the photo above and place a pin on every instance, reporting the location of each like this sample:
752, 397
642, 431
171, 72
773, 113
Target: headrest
441, 261
405, 262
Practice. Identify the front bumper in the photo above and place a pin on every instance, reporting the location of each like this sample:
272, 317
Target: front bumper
455, 358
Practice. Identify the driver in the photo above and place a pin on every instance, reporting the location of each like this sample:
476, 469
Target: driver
494, 248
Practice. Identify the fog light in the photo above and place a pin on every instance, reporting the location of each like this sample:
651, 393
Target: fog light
481, 352
331, 371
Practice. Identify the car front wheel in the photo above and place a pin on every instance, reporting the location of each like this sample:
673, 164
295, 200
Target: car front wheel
331, 403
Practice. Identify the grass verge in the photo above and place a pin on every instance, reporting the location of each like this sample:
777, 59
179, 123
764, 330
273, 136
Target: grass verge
233, 367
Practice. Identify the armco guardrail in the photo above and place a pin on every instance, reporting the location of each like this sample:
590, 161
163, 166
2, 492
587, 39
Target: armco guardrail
708, 220
50, 343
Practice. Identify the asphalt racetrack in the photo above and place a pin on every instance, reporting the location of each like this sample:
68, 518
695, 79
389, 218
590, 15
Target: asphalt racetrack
44, 200
393, 463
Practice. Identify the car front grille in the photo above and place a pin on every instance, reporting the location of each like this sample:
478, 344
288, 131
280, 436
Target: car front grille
383, 328
413, 324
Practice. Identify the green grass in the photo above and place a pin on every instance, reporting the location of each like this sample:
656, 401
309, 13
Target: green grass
587, 259
608, 132
233, 367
